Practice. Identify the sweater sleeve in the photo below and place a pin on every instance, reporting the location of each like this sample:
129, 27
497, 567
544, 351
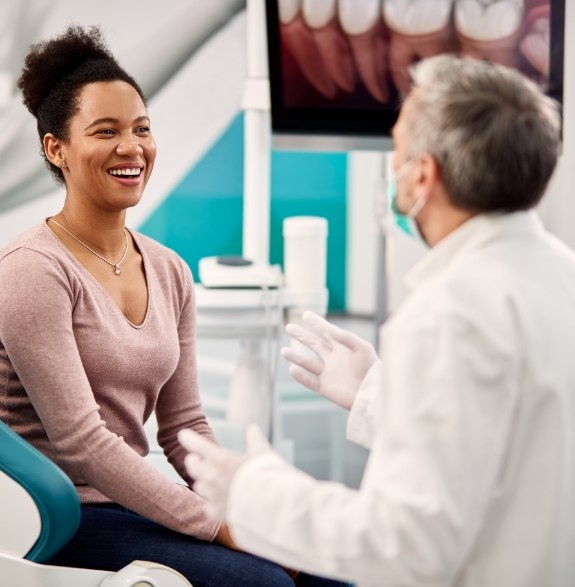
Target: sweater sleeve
36, 329
179, 404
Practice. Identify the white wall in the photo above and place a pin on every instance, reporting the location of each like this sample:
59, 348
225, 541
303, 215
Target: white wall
364, 189
558, 208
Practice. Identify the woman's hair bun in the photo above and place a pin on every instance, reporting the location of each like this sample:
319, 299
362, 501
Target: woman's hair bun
49, 62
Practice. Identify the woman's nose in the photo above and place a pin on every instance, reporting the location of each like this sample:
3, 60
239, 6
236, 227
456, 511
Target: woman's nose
129, 146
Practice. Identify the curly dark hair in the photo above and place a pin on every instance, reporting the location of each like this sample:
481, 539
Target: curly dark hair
54, 73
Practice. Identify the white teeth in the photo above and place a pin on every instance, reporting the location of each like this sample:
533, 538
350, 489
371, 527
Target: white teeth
358, 16
488, 20
129, 171
288, 9
317, 13
417, 17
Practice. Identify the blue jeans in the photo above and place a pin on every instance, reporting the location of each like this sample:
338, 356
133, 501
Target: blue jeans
111, 537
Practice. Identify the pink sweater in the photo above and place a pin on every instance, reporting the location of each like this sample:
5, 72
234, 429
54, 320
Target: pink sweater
78, 380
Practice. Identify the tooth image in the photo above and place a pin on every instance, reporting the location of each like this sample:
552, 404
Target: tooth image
297, 38
489, 29
418, 29
535, 44
333, 46
488, 20
361, 21
288, 9
417, 17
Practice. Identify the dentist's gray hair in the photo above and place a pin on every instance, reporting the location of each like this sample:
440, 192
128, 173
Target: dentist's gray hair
494, 133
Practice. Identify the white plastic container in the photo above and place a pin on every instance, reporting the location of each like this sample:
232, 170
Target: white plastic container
305, 260
305, 252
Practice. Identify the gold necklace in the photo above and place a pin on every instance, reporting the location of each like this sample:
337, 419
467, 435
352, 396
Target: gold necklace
116, 266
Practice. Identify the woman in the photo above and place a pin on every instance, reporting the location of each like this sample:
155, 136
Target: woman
97, 331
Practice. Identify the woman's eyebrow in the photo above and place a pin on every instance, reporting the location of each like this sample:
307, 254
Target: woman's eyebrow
111, 120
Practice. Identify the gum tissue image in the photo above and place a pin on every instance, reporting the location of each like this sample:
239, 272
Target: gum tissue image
346, 50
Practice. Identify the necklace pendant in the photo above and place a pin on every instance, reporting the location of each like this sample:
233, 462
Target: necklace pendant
117, 270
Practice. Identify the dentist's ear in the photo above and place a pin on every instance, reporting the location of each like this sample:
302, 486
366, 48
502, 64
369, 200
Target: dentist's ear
428, 176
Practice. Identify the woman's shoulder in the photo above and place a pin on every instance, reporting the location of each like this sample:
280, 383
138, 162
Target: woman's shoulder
38, 238
151, 246
161, 258
35, 261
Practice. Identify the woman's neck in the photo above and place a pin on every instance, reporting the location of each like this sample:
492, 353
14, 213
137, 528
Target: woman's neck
104, 233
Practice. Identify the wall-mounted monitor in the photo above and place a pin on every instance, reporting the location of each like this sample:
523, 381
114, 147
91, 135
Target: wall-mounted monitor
338, 68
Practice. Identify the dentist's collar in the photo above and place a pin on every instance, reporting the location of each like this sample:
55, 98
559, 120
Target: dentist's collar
472, 233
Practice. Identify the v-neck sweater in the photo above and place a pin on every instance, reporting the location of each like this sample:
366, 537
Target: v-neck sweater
78, 380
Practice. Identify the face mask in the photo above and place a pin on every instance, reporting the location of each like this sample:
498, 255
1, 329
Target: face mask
406, 222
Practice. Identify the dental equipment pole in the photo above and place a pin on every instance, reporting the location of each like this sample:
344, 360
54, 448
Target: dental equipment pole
257, 139
252, 394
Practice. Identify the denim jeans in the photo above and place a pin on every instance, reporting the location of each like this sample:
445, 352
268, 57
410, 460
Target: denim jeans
111, 537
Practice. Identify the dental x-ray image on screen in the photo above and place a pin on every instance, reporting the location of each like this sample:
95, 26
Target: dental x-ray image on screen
340, 67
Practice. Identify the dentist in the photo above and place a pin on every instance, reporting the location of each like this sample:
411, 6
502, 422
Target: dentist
470, 411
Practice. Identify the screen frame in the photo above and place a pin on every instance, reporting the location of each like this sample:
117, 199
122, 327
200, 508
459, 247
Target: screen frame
334, 128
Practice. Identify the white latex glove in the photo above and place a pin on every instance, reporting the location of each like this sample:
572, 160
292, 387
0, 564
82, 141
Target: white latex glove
213, 467
338, 363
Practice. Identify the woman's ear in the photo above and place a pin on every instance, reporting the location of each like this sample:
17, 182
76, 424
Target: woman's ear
54, 150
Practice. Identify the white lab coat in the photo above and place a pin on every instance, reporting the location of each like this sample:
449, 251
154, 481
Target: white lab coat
470, 480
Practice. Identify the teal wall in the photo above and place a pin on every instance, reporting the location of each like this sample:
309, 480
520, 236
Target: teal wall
203, 215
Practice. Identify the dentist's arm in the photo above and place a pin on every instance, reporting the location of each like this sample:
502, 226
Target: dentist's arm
213, 468
334, 361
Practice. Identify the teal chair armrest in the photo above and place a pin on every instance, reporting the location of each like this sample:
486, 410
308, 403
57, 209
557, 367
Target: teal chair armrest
51, 490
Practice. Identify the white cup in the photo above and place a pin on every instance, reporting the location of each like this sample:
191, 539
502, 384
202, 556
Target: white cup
305, 252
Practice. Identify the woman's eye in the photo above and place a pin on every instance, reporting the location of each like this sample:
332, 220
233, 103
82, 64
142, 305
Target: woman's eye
106, 131
143, 130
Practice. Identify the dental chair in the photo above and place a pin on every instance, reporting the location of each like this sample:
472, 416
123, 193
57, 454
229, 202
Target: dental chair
39, 513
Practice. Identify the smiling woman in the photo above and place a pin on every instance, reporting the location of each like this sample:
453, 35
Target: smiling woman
119, 308
109, 150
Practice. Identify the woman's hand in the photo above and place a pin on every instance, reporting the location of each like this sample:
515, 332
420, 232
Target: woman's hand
224, 537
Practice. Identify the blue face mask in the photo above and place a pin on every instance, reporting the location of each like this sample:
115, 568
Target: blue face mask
406, 222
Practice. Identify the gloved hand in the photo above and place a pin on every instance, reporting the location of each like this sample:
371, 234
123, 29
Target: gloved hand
213, 467
339, 362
